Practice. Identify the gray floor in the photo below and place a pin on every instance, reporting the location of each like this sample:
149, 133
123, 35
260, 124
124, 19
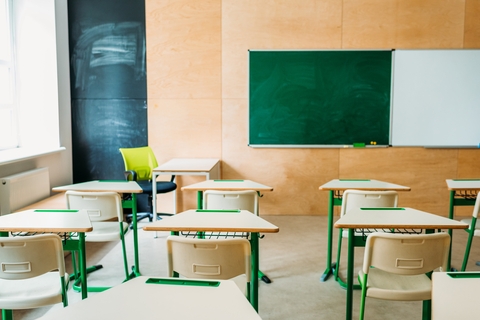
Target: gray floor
294, 259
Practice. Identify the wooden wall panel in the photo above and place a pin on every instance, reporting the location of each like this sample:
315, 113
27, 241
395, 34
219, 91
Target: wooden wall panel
198, 91
423, 170
184, 49
472, 24
430, 24
369, 24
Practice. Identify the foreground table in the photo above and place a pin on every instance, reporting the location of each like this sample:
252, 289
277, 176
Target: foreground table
406, 220
122, 187
455, 295
210, 168
174, 299
221, 221
62, 222
335, 189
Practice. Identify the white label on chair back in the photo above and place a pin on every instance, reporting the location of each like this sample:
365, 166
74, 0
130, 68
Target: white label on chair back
206, 270
18, 267
409, 263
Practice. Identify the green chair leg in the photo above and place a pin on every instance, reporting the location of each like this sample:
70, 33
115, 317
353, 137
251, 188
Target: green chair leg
339, 250
467, 250
363, 283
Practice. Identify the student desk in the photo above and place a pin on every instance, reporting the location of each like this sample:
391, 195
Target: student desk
405, 220
174, 299
225, 185
335, 189
455, 295
463, 192
210, 168
54, 221
129, 187
217, 221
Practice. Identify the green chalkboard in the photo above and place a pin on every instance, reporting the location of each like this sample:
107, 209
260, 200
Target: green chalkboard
319, 98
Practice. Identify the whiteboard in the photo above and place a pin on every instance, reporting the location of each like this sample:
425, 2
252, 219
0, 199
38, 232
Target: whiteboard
436, 98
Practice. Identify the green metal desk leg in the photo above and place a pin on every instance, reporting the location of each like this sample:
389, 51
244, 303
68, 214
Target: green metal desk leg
351, 253
451, 214
328, 270
82, 259
136, 268
254, 271
199, 199
6, 314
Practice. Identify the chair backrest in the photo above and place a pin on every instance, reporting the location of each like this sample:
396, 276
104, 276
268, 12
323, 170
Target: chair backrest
368, 199
221, 259
30, 256
407, 254
101, 206
231, 200
141, 160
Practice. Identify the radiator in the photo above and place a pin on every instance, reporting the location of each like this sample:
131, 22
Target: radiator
22, 189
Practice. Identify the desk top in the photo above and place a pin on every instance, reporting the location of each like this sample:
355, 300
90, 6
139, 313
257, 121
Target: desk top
396, 218
119, 186
361, 184
463, 184
211, 220
46, 221
455, 297
173, 301
228, 185
187, 165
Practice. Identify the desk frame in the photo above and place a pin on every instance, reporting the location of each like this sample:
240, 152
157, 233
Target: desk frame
121, 187
245, 221
379, 219
335, 189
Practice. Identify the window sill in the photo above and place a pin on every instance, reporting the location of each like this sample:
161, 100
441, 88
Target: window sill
19, 154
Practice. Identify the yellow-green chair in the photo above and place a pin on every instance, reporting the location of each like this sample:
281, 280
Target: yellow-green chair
139, 163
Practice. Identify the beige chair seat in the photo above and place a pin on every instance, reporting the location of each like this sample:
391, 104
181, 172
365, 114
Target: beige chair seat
105, 231
388, 286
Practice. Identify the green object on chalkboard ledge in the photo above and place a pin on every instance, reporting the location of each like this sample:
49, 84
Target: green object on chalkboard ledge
320, 97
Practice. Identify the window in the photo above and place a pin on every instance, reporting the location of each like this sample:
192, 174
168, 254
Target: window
34, 76
8, 127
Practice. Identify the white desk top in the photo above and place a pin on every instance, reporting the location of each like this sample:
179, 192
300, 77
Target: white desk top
396, 218
132, 300
46, 221
463, 184
455, 298
361, 184
193, 220
228, 185
187, 165
101, 186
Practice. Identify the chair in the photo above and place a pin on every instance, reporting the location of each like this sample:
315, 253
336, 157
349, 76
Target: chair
397, 266
473, 230
230, 200
139, 163
220, 259
358, 199
32, 273
103, 208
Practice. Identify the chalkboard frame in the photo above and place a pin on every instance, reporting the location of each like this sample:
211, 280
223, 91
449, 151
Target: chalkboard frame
385, 120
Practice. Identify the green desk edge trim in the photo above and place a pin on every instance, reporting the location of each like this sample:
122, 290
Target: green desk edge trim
378, 208
228, 180
113, 181
460, 275
183, 282
50, 210
221, 211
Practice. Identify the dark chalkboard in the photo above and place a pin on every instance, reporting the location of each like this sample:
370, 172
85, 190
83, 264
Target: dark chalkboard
319, 98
